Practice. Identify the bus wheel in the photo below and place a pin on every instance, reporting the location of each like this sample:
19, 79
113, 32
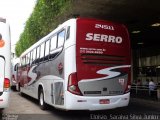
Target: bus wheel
41, 100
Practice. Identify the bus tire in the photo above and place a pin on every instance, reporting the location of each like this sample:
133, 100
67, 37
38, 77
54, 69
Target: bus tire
42, 103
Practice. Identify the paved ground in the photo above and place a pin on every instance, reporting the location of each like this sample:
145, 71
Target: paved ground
26, 108
23, 105
148, 103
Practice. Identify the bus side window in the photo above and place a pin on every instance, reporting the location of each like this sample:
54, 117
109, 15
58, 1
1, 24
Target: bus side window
61, 38
38, 54
47, 47
53, 43
53, 46
23, 61
34, 56
42, 52
27, 58
68, 33
31, 57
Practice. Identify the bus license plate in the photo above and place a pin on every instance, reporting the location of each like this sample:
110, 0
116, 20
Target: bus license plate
104, 101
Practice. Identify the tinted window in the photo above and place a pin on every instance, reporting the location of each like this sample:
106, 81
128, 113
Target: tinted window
38, 52
47, 48
68, 33
27, 58
53, 42
34, 54
24, 60
31, 58
42, 51
61, 37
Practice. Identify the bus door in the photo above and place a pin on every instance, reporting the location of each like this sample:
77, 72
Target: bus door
2, 72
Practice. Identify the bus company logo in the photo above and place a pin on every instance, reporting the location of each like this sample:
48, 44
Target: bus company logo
106, 27
103, 38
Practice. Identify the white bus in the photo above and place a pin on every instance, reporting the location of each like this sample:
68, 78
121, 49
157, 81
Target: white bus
5, 72
84, 64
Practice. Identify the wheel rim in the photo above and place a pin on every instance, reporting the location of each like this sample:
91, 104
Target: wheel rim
41, 99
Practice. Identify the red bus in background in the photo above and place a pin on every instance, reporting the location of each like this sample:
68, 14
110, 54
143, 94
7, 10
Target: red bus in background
84, 64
